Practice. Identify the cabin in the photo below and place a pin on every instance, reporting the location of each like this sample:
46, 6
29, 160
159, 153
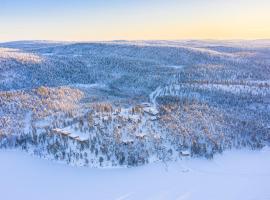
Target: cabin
150, 111
127, 142
133, 118
154, 118
72, 136
185, 153
141, 136
81, 140
105, 118
146, 104
60, 132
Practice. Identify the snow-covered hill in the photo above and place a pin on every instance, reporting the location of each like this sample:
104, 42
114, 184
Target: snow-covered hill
132, 103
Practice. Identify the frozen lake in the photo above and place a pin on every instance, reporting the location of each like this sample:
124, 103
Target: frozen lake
234, 175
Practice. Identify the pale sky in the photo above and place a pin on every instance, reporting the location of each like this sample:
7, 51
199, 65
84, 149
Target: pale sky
89, 20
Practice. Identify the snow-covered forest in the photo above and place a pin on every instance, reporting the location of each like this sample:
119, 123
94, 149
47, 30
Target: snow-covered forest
128, 103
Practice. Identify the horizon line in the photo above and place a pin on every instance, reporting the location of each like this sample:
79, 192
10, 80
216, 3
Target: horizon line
135, 40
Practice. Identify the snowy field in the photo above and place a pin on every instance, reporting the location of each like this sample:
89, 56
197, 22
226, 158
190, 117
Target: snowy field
235, 175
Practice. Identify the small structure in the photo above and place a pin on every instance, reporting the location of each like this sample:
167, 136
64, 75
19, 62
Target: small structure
146, 104
151, 111
141, 136
184, 153
127, 142
81, 140
73, 136
133, 118
157, 137
154, 118
106, 118
61, 132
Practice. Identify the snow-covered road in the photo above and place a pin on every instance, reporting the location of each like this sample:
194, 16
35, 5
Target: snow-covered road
235, 175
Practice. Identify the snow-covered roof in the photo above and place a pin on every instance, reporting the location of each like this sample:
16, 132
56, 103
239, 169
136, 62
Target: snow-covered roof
141, 135
126, 141
185, 153
146, 104
153, 118
68, 131
151, 110
73, 135
60, 131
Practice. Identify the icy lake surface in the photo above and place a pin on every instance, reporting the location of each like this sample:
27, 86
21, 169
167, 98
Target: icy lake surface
235, 175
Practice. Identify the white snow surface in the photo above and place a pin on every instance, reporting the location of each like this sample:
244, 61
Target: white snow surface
235, 175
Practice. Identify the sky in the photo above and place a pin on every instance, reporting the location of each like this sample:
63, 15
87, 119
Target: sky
92, 20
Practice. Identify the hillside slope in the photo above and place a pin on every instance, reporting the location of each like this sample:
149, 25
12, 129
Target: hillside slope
132, 103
